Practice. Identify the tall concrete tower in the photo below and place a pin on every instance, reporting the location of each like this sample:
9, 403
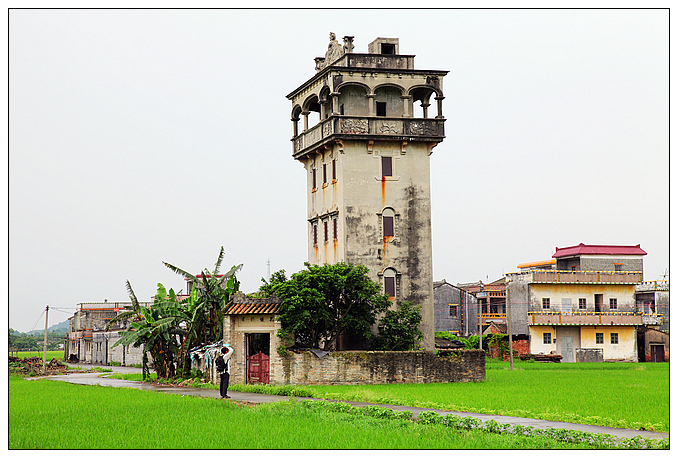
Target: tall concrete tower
365, 138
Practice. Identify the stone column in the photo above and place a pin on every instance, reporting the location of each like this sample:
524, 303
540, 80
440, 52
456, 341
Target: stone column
370, 105
407, 106
439, 101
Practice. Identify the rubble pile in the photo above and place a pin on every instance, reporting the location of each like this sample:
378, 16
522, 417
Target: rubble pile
34, 364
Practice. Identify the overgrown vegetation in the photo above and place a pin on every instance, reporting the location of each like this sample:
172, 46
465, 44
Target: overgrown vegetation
170, 326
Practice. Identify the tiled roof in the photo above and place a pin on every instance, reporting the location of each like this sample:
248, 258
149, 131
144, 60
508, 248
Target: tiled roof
598, 249
243, 305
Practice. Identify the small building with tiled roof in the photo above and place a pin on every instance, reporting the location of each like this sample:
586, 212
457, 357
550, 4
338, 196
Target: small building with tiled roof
251, 327
600, 258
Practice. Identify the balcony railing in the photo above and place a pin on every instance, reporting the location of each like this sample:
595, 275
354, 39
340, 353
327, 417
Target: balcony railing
359, 126
593, 318
581, 276
496, 317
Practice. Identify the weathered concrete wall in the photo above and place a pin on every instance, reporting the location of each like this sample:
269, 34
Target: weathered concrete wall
355, 202
518, 298
354, 368
589, 355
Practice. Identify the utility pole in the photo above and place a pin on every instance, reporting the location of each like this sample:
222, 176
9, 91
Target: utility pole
44, 348
508, 318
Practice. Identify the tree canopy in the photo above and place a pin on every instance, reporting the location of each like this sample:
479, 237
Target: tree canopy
323, 301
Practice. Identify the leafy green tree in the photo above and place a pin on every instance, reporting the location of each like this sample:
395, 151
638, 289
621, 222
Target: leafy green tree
321, 302
267, 288
399, 328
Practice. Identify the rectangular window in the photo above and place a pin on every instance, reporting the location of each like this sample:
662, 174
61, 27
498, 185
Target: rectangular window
547, 337
334, 222
389, 286
315, 234
326, 231
618, 266
381, 108
334, 169
324, 173
388, 226
613, 303
386, 166
599, 338
453, 310
614, 338
314, 181
546, 302
582, 303
387, 48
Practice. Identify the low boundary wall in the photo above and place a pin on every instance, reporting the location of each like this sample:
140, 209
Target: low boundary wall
378, 367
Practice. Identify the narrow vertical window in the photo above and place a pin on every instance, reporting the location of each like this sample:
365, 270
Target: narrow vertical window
334, 169
315, 234
334, 223
324, 173
386, 166
389, 286
314, 181
388, 226
325, 229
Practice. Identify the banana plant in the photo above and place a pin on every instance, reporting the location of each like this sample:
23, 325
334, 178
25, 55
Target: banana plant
210, 293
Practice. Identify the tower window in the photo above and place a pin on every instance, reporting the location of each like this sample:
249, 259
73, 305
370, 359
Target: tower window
324, 173
386, 166
334, 169
314, 180
315, 235
387, 48
334, 222
388, 226
381, 108
389, 286
326, 231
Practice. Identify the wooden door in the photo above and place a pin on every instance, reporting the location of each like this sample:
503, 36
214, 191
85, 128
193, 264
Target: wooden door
258, 368
657, 353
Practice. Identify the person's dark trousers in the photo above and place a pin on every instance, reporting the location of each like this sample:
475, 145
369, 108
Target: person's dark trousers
223, 386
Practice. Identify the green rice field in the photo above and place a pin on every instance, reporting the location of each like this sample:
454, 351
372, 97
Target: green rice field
622, 395
46, 414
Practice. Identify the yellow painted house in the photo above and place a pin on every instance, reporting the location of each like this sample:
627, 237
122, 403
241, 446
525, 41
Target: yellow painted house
581, 304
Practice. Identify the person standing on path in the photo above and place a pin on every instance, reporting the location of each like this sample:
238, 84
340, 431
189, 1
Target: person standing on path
222, 363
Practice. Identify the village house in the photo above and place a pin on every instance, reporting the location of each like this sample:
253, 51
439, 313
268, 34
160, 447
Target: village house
491, 298
88, 341
456, 310
584, 309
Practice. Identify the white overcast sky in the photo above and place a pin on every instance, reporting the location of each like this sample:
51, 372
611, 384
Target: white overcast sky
142, 136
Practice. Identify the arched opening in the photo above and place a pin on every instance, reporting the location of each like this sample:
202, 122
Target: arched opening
421, 102
353, 101
296, 116
311, 112
389, 102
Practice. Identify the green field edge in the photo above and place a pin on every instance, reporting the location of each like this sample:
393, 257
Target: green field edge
315, 392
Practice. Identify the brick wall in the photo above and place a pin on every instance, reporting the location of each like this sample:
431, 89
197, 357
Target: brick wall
367, 367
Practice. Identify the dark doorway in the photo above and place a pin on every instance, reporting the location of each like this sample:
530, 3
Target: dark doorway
258, 357
598, 300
